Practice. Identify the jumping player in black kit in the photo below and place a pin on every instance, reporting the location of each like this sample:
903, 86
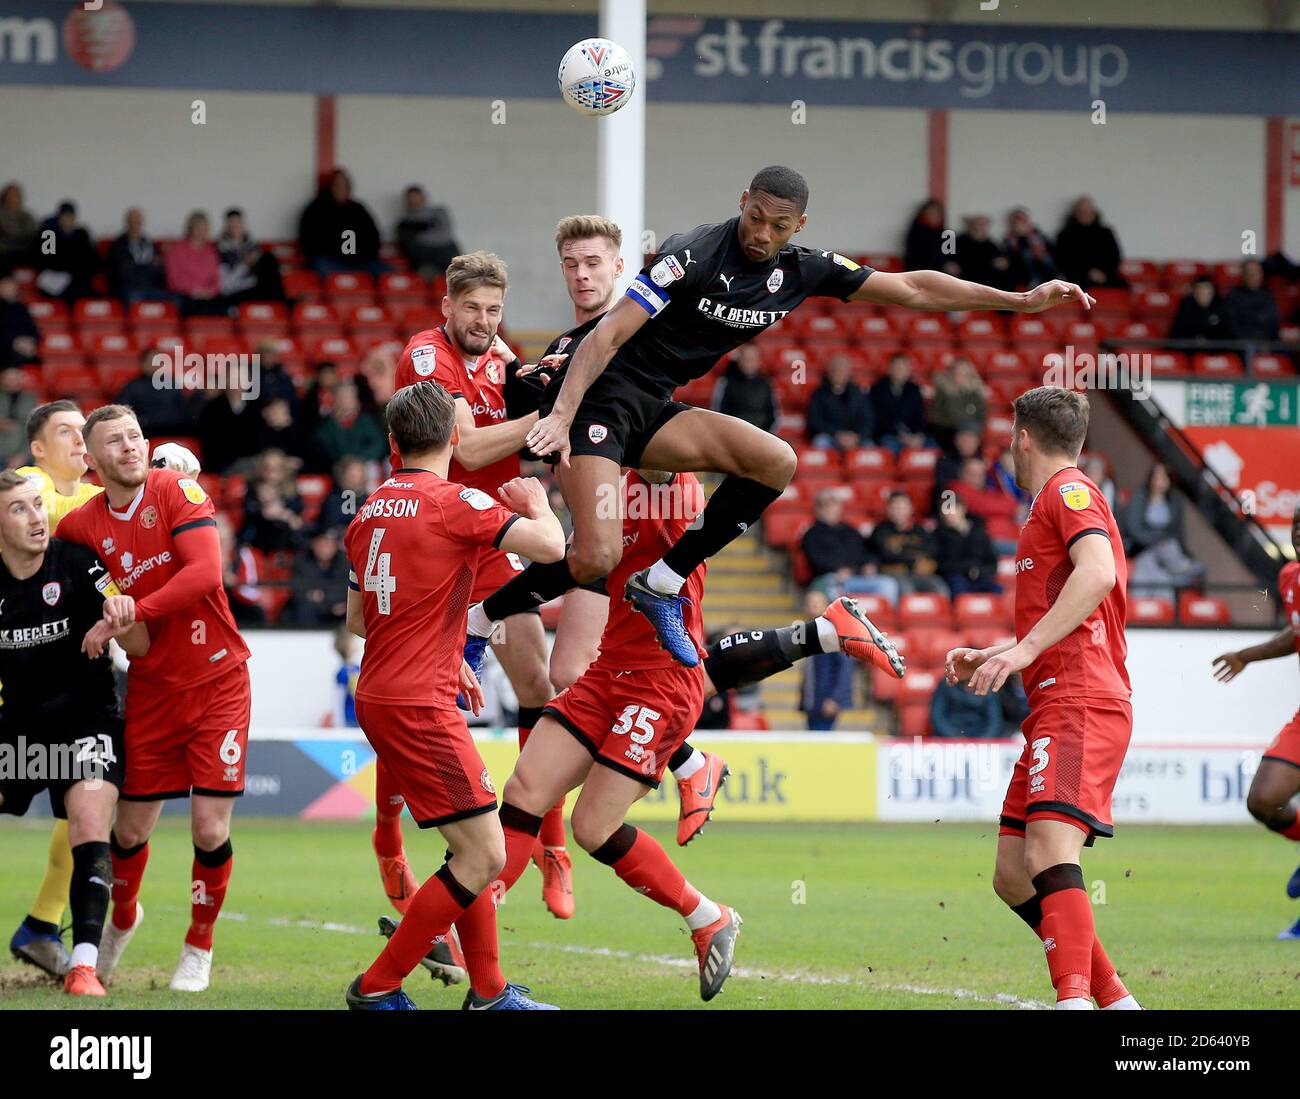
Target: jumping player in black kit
705, 293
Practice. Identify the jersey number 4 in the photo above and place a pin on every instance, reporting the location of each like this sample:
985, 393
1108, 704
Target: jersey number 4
378, 578
642, 717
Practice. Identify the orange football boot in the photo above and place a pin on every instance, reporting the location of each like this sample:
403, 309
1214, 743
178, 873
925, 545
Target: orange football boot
698, 794
81, 981
860, 639
557, 882
399, 883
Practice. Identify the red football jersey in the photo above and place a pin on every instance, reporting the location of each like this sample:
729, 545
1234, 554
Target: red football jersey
138, 545
1288, 586
1090, 661
654, 517
431, 356
413, 549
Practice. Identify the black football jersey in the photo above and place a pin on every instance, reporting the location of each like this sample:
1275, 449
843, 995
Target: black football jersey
44, 675
705, 298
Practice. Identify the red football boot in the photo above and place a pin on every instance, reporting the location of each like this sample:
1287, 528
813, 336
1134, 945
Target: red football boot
698, 794
860, 639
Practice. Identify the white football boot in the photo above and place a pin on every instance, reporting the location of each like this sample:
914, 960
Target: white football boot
193, 970
112, 943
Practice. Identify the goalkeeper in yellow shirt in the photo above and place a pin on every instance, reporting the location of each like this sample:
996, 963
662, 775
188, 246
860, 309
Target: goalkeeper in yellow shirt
59, 453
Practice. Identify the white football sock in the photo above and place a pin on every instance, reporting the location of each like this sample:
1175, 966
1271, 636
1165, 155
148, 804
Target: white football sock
827, 635
1124, 1003
706, 912
480, 625
662, 579
85, 954
682, 773
1074, 1003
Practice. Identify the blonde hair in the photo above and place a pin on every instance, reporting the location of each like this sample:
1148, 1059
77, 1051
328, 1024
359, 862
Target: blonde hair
474, 270
586, 226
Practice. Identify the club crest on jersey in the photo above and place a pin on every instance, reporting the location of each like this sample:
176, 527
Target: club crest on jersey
564, 342
424, 359
149, 517
774, 281
193, 490
667, 271
50, 593
479, 501
107, 545
1076, 496
485, 780
597, 433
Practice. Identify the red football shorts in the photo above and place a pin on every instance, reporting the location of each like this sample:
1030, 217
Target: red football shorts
196, 741
432, 759
1074, 751
632, 722
1286, 745
495, 568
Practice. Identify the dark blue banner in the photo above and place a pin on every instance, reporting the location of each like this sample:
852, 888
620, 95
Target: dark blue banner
502, 54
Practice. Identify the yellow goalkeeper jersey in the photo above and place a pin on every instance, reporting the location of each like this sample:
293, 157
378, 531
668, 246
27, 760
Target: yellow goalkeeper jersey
56, 504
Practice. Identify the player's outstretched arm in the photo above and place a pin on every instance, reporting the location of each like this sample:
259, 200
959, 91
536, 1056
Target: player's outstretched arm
537, 534
551, 433
1089, 583
938, 291
481, 446
1227, 666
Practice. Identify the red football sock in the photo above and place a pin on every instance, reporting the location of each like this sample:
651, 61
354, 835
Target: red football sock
1068, 930
389, 804
552, 833
477, 928
1104, 983
1292, 830
128, 873
210, 877
640, 861
434, 908
520, 830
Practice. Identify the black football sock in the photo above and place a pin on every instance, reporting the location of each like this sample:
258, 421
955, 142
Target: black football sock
680, 756
90, 892
1031, 912
747, 657
40, 927
735, 506
537, 584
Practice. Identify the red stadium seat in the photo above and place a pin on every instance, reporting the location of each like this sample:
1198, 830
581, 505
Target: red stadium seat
1216, 364
917, 463
825, 329
981, 637
930, 329
313, 488
350, 288
59, 343
929, 645
977, 609
1139, 270
747, 721
263, 319
986, 330
875, 330
1137, 330
881, 261
50, 316
1150, 610
885, 685
98, 315
914, 718
1156, 305
879, 609
782, 528
112, 343
869, 461
154, 312
401, 290
816, 463
115, 371
924, 609
1271, 366
1202, 610
302, 285
1165, 362
1005, 363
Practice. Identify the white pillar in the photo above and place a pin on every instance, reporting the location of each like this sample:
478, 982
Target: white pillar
620, 146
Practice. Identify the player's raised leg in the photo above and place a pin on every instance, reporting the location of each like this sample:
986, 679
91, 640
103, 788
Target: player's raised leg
758, 466
37, 940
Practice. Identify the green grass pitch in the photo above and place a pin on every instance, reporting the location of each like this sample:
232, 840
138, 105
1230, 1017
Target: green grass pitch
891, 916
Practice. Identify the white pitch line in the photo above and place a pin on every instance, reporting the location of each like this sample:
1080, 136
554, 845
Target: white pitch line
670, 961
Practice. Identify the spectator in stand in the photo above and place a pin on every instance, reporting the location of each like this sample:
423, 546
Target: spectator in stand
248, 271
898, 407
959, 399
1202, 314
1028, 251
272, 507
965, 444
1003, 476
958, 714
840, 413
19, 336
162, 409
379, 372
194, 270
319, 582
229, 426
1094, 468
16, 403
904, 549
317, 403
1002, 513
924, 249
1152, 525
135, 269
69, 265
745, 392
350, 430
827, 677
337, 233
837, 555
979, 257
1251, 307
274, 381
17, 230
424, 234
239, 576
351, 488
278, 429
1086, 250
964, 551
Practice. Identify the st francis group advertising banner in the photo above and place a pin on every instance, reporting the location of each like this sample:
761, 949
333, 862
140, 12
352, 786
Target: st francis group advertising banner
985, 63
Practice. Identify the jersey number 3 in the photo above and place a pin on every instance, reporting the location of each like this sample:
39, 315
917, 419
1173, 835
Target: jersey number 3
378, 578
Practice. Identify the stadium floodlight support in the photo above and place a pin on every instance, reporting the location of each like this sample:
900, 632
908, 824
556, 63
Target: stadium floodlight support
620, 143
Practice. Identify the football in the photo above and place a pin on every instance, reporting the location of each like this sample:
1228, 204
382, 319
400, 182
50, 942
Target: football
596, 76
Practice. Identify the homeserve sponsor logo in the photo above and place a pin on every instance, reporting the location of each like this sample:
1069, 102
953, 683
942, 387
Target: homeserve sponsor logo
144, 566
